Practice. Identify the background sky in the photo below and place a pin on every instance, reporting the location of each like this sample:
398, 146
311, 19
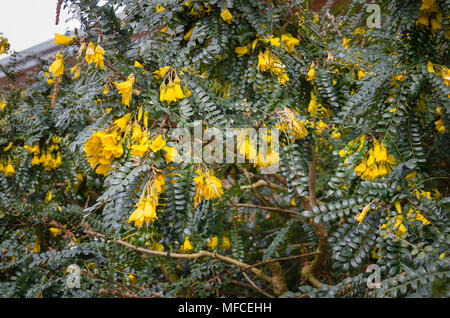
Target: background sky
29, 22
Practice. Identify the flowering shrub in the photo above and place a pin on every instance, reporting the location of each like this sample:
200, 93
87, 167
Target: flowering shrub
94, 183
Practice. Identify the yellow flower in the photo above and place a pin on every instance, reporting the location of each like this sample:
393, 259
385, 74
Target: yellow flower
122, 122
125, 88
430, 67
241, 50
213, 242
186, 247
361, 216
207, 187
57, 68
361, 75
311, 73
225, 243
170, 155
312, 107
157, 144
226, 16
54, 231
98, 57
345, 43
90, 53
9, 170
440, 127
159, 8
63, 40
289, 42
188, 34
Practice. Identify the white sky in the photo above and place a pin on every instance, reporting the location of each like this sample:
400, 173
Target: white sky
29, 22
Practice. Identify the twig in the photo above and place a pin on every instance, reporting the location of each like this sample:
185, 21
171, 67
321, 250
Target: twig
256, 287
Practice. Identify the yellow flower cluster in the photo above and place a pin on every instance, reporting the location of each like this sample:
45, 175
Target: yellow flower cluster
290, 122
214, 242
146, 208
143, 144
95, 54
207, 186
440, 127
4, 45
264, 157
268, 61
49, 158
3, 103
7, 168
430, 14
102, 148
171, 89
376, 163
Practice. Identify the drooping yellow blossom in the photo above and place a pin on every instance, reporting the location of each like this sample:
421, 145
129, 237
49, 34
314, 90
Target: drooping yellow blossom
170, 154
157, 144
207, 186
361, 216
187, 246
213, 242
376, 163
429, 15
2, 104
125, 89
4, 45
268, 61
57, 67
241, 50
122, 122
346, 43
63, 40
101, 149
90, 53
146, 208
54, 231
289, 42
98, 57
290, 122
246, 146
9, 170
311, 73
159, 8
172, 91
188, 34
226, 16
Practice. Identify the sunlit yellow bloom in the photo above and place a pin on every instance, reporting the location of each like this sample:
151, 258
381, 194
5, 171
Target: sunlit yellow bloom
157, 144
289, 42
57, 68
188, 34
63, 40
311, 73
98, 57
241, 50
186, 247
207, 186
346, 43
170, 155
213, 242
361, 216
226, 16
9, 170
159, 8
54, 231
90, 53
125, 88
122, 122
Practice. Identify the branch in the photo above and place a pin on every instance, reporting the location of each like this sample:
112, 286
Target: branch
268, 208
256, 287
193, 256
